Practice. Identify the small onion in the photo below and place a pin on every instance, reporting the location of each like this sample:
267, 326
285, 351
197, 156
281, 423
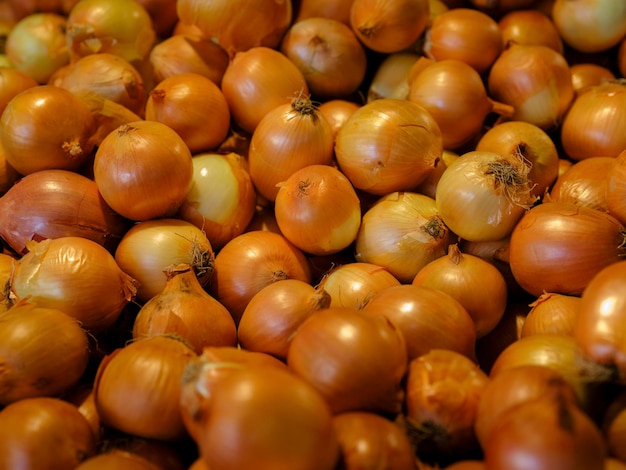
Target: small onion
137, 388
530, 27
388, 145
337, 112
552, 314
559, 247
585, 75
391, 79
149, 247
77, 276
143, 170
474, 282
327, 348
402, 232
318, 210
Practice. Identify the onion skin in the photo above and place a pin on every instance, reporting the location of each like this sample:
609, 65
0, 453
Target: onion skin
616, 188
58, 203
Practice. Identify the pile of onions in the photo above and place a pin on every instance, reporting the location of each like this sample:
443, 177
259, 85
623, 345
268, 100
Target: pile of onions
288, 138
238, 25
143, 170
388, 145
183, 308
148, 248
193, 106
30, 366
222, 199
57, 203
77, 276
31, 141
327, 347
318, 210
402, 232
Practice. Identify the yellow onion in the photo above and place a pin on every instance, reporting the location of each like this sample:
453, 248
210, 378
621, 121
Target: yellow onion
552, 314
335, 9
77, 276
391, 79
530, 26
402, 232
388, 145
616, 187
587, 74
241, 24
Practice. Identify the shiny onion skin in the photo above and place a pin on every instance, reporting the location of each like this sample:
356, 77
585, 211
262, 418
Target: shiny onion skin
143, 170
559, 247
288, 138
239, 25
185, 309
427, 318
616, 188
44, 433
376, 147
31, 141
297, 429
58, 203
335, 9
318, 210
12, 82
328, 349
250, 262
402, 232
275, 313
137, 388
482, 195
222, 199
443, 389
337, 112
77, 276
545, 434
368, 438
30, 367
599, 323
530, 27
474, 282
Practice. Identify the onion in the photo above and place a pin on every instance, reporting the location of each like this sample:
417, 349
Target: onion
389, 27
297, 431
530, 27
328, 54
590, 25
239, 25
532, 143
163, 14
143, 170
337, 113
482, 195
600, 316
77, 276
354, 284
12, 82
183, 308
514, 386
388, 145
117, 459
36, 45
477, 284
499, 7
540, 89
274, 314
552, 314
81, 396
558, 247
262, 76
182, 53
391, 78
585, 183
621, 58
30, 366
150, 247
402, 232
7, 266
137, 388
585, 75
57, 203
594, 124
44, 432
613, 423
326, 351
336, 9
288, 138
222, 199
464, 34
367, 437
318, 210
31, 141
443, 389
109, 76
119, 27
615, 187
427, 318
454, 94
250, 262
